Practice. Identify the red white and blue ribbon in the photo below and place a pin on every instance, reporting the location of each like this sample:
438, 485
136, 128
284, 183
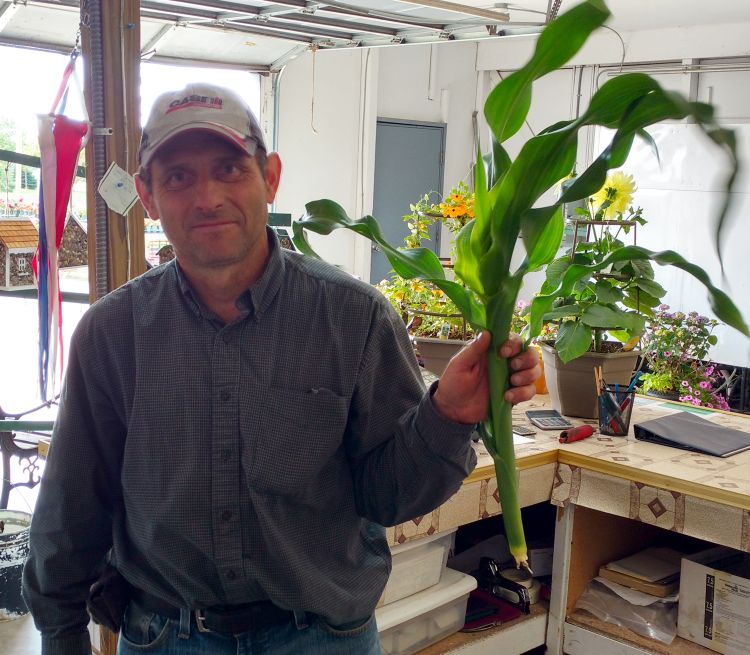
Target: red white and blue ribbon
61, 140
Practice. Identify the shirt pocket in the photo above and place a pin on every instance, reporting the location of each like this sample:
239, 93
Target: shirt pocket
294, 443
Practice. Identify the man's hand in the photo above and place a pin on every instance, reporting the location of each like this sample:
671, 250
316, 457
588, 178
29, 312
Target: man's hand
463, 393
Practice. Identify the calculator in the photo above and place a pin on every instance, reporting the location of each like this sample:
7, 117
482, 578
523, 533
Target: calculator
548, 419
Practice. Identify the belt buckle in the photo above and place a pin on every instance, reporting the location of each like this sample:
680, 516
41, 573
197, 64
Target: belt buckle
200, 621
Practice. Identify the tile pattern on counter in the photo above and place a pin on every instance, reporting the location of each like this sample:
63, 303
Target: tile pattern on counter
671, 510
719, 473
562, 483
472, 502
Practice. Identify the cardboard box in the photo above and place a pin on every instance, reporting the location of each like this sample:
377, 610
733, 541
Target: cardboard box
714, 608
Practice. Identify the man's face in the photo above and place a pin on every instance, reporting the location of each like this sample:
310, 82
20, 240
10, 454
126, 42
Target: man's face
211, 199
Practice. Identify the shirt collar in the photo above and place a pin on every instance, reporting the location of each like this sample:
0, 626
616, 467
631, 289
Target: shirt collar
258, 296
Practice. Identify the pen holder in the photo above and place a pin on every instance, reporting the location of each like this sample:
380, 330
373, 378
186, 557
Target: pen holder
615, 408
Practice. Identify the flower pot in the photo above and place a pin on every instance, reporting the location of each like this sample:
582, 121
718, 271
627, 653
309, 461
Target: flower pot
437, 352
572, 387
669, 395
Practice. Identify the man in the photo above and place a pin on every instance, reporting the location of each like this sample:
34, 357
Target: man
236, 426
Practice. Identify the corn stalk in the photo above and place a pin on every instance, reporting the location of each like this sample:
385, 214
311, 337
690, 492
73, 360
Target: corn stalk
506, 193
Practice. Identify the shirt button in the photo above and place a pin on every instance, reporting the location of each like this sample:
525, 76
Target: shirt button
231, 575
226, 514
225, 396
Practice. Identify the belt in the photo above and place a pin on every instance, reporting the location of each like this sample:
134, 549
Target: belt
228, 619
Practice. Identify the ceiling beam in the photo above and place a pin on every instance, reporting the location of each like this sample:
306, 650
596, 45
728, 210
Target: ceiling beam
149, 50
461, 9
354, 27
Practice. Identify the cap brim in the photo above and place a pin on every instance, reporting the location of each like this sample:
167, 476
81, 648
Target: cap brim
247, 145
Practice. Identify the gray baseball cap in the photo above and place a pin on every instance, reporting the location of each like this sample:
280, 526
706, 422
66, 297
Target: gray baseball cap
203, 107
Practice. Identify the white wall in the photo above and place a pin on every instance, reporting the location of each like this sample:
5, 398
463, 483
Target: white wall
323, 143
446, 83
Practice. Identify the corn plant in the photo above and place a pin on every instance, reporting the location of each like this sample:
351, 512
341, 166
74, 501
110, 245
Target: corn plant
506, 193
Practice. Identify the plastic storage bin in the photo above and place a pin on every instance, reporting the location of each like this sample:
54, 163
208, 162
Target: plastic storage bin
417, 565
417, 621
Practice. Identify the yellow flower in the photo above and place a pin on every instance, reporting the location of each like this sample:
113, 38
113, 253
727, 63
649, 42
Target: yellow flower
457, 197
618, 189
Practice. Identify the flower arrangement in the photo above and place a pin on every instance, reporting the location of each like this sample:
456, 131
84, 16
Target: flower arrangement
613, 301
454, 211
426, 309
675, 348
11, 207
700, 387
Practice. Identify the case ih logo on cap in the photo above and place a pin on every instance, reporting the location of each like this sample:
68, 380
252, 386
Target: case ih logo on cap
195, 101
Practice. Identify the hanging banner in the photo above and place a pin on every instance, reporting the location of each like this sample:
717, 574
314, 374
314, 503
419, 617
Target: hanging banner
61, 140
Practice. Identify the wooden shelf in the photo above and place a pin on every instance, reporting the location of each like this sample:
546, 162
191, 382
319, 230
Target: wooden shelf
587, 635
511, 638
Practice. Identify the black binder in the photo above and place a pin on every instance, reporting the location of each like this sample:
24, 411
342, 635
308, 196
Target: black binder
690, 432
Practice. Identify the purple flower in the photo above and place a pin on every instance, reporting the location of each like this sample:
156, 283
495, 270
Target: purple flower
704, 385
684, 383
710, 370
666, 353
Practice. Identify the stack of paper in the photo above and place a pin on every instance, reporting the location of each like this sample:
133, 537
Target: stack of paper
655, 570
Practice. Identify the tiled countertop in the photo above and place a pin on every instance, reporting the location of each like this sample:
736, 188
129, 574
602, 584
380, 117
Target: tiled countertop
699, 495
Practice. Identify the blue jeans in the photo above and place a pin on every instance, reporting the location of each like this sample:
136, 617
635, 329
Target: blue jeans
146, 632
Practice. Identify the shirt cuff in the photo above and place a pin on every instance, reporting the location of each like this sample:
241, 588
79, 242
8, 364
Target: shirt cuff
75, 644
443, 435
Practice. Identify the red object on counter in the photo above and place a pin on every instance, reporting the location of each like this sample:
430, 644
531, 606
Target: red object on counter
576, 434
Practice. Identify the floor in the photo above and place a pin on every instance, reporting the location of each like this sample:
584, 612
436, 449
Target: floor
19, 637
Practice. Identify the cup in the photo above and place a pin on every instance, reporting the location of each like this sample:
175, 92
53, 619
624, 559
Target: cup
615, 408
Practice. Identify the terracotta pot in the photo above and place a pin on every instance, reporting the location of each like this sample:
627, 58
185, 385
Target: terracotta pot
437, 352
572, 388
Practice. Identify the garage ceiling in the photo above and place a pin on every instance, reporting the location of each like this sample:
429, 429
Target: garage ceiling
264, 34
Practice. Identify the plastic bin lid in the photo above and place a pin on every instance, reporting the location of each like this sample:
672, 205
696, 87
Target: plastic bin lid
452, 585
416, 543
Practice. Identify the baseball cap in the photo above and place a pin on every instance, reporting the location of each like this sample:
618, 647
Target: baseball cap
200, 106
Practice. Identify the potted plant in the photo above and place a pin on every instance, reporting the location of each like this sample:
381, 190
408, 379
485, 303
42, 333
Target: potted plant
437, 326
675, 347
611, 302
506, 192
